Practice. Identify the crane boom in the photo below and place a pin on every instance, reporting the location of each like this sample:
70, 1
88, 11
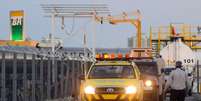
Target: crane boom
124, 19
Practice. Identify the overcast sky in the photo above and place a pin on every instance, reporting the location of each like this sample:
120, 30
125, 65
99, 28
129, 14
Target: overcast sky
154, 13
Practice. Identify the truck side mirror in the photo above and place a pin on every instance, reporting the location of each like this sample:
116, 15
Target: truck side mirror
82, 77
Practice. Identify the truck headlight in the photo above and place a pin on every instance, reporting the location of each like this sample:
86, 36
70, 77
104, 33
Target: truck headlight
89, 90
148, 83
131, 90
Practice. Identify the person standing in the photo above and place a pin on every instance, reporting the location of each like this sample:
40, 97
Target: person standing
178, 83
161, 80
160, 63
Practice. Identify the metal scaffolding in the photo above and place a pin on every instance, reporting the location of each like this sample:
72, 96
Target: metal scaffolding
69, 11
73, 11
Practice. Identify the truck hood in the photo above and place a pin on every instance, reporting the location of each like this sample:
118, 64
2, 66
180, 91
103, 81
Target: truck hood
112, 82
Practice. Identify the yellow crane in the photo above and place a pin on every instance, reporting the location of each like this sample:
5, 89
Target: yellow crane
124, 18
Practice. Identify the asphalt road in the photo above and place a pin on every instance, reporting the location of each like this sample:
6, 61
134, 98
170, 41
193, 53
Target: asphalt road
194, 97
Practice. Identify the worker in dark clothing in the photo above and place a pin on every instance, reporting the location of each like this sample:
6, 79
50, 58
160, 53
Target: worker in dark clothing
178, 83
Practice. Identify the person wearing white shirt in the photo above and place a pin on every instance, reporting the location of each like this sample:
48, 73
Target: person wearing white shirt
178, 83
161, 64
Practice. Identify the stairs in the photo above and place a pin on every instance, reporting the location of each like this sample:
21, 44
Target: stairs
154, 48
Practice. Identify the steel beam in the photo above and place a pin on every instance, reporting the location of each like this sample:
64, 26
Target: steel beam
25, 97
67, 79
14, 77
198, 77
33, 94
49, 79
41, 79
62, 79
3, 78
79, 65
56, 79
73, 78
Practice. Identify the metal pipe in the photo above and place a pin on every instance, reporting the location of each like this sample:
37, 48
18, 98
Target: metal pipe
85, 53
94, 36
62, 79
159, 39
79, 66
33, 94
41, 79
49, 80
25, 77
73, 78
14, 77
139, 34
198, 77
53, 45
3, 78
150, 38
67, 80
56, 81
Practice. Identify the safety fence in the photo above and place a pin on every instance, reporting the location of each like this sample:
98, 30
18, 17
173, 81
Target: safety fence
31, 77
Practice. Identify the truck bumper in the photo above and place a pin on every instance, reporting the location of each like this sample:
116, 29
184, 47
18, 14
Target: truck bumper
109, 97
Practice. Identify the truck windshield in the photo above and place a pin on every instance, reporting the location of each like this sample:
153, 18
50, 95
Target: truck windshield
112, 71
149, 68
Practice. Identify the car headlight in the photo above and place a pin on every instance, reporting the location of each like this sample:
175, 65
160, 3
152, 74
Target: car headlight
89, 90
131, 90
148, 83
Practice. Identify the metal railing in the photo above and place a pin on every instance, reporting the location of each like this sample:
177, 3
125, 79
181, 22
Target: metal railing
28, 77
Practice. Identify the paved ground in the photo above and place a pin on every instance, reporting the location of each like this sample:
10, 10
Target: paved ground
194, 97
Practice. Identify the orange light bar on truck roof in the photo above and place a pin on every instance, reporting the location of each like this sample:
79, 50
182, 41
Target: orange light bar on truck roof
120, 56
111, 56
106, 56
144, 54
127, 56
97, 56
